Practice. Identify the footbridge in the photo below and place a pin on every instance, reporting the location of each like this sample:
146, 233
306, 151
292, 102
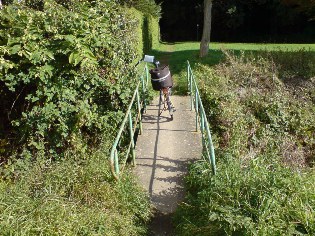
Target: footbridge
161, 148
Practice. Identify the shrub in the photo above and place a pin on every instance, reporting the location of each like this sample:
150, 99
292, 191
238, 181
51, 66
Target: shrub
253, 111
66, 67
148, 7
64, 71
146, 30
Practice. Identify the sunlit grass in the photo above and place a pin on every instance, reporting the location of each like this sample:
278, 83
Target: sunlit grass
190, 51
244, 46
179, 53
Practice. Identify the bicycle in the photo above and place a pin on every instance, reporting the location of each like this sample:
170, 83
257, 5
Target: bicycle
165, 99
161, 80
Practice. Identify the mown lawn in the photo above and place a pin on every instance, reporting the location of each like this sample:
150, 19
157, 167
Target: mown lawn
179, 53
190, 50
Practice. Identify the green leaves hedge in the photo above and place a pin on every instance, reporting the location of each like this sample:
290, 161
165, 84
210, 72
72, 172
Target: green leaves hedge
66, 76
65, 70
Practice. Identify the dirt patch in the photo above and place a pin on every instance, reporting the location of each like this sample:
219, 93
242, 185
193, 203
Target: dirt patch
301, 88
161, 224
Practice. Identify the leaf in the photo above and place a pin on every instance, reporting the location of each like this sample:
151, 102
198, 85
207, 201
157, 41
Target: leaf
15, 49
75, 58
70, 38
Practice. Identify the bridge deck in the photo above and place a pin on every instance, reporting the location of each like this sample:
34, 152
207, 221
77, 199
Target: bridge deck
164, 151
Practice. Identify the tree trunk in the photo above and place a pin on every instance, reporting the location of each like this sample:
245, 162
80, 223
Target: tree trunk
204, 45
0, 4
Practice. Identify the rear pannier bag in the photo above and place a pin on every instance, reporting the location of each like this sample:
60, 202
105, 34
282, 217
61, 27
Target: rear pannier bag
161, 78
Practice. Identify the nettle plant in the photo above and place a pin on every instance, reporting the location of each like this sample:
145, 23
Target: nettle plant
60, 71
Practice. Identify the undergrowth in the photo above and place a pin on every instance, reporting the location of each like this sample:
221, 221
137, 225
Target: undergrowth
72, 196
261, 111
256, 197
66, 78
254, 109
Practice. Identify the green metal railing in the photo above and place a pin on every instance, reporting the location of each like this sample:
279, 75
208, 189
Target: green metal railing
130, 124
201, 118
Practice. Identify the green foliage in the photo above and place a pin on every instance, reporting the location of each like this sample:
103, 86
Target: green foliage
66, 76
147, 31
250, 102
72, 196
299, 63
148, 7
64, 72
258, 197
150, 33
261, 113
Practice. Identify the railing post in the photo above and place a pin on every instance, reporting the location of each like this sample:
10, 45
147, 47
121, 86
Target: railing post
132, 140
147, 74
196, 108
202, 128
116, 162
202, 122
188, 76
191, 92
143, 93
139, 112
212, 155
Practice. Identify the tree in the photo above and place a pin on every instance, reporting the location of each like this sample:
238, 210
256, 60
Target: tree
204, 45
305, 6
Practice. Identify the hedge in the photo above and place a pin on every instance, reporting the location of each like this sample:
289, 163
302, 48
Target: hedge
65, 69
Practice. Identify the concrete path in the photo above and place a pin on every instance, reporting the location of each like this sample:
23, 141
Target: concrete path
164, 151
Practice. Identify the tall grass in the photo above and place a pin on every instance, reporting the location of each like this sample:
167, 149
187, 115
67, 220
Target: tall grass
259, 197
261, 108
72, 196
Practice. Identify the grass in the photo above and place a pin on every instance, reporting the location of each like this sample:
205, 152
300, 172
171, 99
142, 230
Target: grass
72, 196
258, 197
179, 53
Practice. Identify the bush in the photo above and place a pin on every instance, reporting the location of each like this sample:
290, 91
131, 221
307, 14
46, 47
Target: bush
147, 31
66, 67
253, 111
64, 71
148, 7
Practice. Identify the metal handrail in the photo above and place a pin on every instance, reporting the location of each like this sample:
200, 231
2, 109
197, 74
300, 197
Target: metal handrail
201, 118
117, 165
